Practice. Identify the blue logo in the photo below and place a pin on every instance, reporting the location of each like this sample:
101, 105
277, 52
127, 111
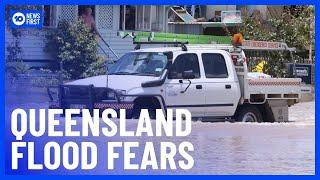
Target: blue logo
26, 18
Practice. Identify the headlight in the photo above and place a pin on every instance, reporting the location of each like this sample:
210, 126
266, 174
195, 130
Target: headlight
111, 95
120, 93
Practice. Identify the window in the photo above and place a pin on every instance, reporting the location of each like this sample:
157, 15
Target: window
143, 20
49, 19
184, 62
146, 17
127, 17
82, 9
140, 64
157, 20
214, 65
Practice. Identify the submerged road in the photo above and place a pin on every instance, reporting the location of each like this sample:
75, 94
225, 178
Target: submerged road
224, 147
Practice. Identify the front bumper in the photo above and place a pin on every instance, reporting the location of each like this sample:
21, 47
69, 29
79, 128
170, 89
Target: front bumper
89, 97
114, 105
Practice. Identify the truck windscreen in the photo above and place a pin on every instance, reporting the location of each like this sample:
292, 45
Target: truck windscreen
140, 63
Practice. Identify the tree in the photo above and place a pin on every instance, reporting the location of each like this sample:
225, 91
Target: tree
75, 46
14, 63
295, 29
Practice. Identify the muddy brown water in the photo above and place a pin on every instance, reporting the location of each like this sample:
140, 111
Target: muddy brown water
230, 148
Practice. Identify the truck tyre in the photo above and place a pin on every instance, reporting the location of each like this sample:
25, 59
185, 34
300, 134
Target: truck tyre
248, 113
137, 110
150, 103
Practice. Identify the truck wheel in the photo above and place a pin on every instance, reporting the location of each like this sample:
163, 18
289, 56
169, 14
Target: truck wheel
136, 112
150, 103
248, 113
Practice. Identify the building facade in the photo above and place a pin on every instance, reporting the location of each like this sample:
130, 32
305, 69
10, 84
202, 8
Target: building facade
109, 21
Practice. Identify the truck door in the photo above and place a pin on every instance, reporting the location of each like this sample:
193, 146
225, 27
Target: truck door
183, 91
222, 91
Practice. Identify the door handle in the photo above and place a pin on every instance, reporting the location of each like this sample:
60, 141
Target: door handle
228, 86
198, 86
181, 81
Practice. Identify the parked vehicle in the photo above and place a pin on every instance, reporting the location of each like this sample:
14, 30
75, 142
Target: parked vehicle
211, 81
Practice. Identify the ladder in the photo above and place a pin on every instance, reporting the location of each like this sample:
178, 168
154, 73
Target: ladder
183, 14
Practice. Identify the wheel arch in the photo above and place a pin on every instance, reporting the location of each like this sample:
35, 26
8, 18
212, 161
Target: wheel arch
241, 109
156, 99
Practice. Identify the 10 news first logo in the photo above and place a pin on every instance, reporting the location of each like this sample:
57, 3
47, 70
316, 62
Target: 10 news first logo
26, 18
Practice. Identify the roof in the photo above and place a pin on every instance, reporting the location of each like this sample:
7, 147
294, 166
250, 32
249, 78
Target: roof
207, 24
159, 49
173, 37
189, 47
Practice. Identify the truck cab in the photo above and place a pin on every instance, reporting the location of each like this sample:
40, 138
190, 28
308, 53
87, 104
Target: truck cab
208, 81
204, 82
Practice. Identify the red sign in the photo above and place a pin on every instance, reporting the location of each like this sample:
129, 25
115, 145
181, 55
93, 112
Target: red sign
261, 45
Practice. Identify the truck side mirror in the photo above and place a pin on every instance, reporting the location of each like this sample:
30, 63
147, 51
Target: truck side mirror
169, 55
188, 75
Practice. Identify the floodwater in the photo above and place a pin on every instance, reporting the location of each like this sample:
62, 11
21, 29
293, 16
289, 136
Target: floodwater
229, 148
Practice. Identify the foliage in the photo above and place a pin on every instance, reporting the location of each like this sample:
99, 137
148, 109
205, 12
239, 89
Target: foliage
295, 30
14, 51
45, 82
18, 67
14, 64
45, 78
73, 45
96, 68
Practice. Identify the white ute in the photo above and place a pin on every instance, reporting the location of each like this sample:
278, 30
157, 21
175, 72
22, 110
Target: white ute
211, 81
